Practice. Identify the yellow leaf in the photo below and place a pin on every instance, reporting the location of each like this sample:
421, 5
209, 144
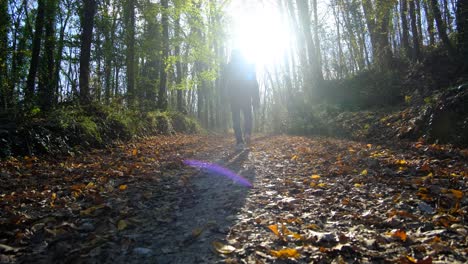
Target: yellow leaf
91, 209
313, 226
315, 177
274, 229
285, 253
358, 185
54, 196
411, 259
134, 152
322, 185
294, 157
90, 185
121, 225
402, 162
221, 248
197, 232
123, 187
458, 194
364, 172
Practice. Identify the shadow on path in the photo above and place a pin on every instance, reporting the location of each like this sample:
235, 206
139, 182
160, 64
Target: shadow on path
205, 214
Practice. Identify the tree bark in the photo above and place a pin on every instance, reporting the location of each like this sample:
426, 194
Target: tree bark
430, 23
416, 54
46, 88
5, 93
129, 17
87, 25
404, 27
462, 28
36, 49
314, 62
442, 28
162, 93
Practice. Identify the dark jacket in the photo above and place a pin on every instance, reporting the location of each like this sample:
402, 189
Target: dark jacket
241, 83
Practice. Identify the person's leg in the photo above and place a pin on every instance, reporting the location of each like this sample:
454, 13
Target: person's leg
247, 111
236, 123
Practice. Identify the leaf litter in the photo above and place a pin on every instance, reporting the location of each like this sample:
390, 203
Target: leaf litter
315, 199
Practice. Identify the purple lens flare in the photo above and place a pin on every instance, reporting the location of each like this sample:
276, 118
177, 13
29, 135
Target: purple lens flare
211, 167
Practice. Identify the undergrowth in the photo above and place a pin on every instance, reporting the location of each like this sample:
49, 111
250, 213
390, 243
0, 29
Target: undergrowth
68, 128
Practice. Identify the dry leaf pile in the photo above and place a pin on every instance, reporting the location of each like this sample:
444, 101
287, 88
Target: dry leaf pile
313, 199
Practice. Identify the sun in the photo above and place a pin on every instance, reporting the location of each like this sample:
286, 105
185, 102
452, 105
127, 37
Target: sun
261, 33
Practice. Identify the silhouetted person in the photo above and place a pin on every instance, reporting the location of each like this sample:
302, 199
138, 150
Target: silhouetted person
243, 91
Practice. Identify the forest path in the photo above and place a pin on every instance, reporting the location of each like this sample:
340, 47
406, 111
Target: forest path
313, 199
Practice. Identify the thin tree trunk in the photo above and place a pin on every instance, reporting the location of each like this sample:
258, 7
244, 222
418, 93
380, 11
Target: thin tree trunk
36, 49
404, 27
414, 28
162, 93
87, 24
430, 23
130, 50
442, 28
5, 94
46, 88
462, 28
58, 59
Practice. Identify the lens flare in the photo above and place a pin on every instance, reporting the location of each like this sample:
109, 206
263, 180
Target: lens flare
214, 168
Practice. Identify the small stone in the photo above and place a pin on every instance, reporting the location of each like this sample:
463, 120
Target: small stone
425, 208
142, 251
86, 227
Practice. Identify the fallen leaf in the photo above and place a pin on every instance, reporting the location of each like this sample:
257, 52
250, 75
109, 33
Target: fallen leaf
315, 177
121, 225
123, 187
91, 209
458, 194
401, 234
274, 229
134, 152
222, 248
285, 253
364, 172
358, 185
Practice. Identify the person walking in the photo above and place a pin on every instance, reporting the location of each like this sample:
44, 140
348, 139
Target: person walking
243, 91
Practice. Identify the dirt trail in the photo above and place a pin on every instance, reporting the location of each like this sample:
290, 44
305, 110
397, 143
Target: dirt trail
205, 213
314, 199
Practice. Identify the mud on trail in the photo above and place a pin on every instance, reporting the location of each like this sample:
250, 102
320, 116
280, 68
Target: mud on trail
318, 200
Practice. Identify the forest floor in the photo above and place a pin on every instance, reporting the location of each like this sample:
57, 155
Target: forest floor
291, 200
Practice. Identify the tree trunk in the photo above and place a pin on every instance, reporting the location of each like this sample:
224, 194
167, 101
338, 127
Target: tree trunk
58, 58
36, 49
430, 23
416, 54
87, 24
404, 27
162, 93
442, 28
46, 87
129, 16
179, 73
5, 94
314, 62
462, 28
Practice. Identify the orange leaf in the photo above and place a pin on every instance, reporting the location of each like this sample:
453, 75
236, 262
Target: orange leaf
285, 253
458, 194
401, 234
134, 152
274, 229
